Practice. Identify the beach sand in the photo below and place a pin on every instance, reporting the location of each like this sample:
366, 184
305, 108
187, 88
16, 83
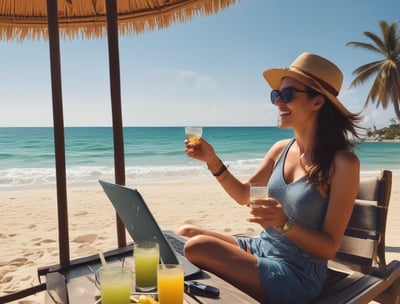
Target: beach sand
29, 237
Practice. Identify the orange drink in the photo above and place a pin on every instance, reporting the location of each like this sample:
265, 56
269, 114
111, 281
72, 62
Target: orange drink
170, 283
193, 134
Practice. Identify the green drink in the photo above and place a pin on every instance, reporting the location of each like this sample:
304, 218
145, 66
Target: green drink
146, 256
115, 285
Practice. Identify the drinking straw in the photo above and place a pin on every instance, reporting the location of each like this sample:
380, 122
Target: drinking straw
103, 261
162, 263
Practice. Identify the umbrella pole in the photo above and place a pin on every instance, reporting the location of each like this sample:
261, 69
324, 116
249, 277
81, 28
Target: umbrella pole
58, 123
115, 87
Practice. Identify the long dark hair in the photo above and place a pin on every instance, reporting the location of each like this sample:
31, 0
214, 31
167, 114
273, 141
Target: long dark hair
335, 132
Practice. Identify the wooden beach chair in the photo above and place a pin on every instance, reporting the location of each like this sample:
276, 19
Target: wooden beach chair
359, 273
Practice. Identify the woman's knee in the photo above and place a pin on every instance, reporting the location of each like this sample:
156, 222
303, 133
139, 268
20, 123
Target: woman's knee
199, 246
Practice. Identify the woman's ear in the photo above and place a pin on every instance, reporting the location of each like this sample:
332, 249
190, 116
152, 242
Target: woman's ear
318, 101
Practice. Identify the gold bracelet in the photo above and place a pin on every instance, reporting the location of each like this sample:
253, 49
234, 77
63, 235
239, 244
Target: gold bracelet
289, 224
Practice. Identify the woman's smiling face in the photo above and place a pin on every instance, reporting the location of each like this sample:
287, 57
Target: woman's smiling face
300, 110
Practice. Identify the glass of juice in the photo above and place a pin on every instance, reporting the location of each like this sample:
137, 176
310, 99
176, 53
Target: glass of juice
170, 283
193, 134
115, 284
146, 256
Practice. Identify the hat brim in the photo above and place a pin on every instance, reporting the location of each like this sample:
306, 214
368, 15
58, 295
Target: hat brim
274, 78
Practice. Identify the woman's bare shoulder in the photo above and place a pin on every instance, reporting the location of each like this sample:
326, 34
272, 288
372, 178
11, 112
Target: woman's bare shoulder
346, 167
279, 145
277, 149
347, 159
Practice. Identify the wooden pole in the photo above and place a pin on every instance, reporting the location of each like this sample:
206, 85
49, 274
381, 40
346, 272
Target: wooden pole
58, 126
115, 86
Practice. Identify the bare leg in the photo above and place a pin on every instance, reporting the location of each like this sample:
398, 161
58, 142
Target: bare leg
192, 230
221, 255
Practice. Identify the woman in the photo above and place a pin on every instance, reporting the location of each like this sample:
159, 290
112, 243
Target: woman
312, 182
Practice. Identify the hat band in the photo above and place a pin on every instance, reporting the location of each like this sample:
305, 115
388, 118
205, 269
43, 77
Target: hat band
324, 84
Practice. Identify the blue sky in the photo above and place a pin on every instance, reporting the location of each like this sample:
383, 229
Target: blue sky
207, 71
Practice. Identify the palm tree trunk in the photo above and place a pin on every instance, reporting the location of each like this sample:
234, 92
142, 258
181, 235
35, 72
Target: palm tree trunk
396, 109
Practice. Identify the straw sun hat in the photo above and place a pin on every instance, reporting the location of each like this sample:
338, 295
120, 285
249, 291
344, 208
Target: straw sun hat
313, 71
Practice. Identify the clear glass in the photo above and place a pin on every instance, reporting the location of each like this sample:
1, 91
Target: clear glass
115, 284
193, 134
146, 256
257, 193
170, 283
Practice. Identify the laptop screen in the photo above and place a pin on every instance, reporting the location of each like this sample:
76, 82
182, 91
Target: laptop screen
138, 219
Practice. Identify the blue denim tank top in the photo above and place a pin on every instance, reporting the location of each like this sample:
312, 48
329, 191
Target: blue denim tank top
301, 201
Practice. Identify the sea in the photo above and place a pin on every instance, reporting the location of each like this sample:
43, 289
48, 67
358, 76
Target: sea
151, 154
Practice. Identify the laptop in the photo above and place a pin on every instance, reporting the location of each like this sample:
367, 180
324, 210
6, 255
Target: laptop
141, 226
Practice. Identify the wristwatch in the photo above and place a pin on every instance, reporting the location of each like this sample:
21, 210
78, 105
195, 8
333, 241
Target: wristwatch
289, 224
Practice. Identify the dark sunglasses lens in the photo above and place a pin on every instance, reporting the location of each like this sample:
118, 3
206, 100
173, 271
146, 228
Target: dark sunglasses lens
275, 95
287, 95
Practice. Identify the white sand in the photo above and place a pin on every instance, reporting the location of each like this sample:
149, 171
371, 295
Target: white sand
29, 237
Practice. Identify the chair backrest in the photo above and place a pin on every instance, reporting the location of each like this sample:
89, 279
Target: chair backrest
363, 244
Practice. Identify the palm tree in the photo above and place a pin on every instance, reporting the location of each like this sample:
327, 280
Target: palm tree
386, 85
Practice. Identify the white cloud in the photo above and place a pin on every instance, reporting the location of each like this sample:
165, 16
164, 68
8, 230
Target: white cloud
188, 79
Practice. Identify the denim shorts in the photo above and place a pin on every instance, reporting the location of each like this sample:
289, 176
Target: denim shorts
287, 273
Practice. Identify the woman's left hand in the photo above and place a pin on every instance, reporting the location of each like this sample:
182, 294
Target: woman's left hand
267, 213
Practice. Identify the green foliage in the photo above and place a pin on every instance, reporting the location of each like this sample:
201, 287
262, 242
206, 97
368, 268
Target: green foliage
387, 133
384, 73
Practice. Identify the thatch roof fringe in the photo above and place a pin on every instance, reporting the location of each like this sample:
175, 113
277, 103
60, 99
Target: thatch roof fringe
86, 19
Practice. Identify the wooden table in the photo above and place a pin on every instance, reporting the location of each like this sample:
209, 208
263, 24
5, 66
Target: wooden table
76, 284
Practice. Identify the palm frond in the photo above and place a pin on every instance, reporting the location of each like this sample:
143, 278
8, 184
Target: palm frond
375, 93
385, 87
392, 82
364, 45
376, 39
391, 38
365, 72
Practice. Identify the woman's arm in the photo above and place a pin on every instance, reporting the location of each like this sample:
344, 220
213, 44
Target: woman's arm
238, 190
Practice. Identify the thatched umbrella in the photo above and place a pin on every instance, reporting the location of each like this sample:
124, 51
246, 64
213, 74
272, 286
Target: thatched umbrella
50, 19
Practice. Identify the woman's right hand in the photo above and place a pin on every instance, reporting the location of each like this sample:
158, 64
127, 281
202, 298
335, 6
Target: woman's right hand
200, 150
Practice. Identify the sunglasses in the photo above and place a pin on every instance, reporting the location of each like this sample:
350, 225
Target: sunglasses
286, 94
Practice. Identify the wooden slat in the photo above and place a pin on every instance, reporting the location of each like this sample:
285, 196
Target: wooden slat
363, 289
364, 216
22, 293
354, 262
359, 247
355, 285
368, 189
360, 242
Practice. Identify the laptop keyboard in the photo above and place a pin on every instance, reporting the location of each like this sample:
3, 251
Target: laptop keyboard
176, 243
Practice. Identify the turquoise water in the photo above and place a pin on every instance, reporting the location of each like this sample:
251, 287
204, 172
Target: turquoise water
151, 153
